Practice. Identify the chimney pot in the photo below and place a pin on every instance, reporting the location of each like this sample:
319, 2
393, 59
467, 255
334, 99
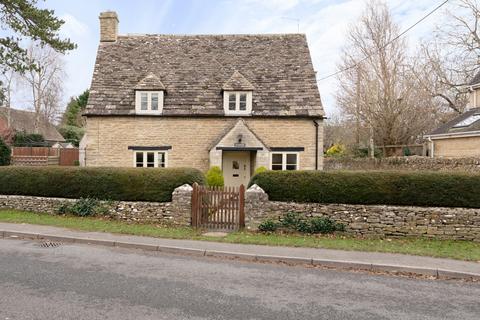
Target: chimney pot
108, 26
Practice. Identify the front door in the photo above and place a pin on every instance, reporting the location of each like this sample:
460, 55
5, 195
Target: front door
236, 168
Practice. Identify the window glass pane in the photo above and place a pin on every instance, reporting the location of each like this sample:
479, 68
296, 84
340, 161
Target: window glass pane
150, 159
139, 159
154, 102
291, 167
235, 165
232, 98
291, 158
243, 101
277, 158
144, 101
161, 159
276, 167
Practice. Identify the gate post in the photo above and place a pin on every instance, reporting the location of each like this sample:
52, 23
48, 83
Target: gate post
242, 207
194, 215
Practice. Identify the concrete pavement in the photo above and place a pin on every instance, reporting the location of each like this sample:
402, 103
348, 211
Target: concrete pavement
370, 261
78, 281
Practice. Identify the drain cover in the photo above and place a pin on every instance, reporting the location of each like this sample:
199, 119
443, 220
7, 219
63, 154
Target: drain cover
49, 244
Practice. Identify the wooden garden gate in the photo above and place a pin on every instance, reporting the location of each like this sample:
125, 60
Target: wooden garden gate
218, 208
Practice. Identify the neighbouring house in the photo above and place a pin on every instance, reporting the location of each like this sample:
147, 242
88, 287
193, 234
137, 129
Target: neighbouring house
239, 102
15, 120
63, 145
460, 137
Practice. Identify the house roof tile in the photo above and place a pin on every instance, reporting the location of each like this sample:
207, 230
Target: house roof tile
22, 120
195, 68
452, 126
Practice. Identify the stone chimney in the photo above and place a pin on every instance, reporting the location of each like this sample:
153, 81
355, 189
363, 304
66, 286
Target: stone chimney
108, 26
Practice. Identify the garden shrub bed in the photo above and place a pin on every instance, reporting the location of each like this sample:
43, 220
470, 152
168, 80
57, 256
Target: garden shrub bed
127, 184
434, 189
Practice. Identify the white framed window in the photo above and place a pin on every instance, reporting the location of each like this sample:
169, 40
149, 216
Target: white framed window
148, 102
237, 102
150, 159
285, 161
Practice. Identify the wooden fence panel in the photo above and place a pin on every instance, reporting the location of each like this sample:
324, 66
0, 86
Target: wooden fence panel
43, 156
34, 161
218, 208
69, 157
34, 151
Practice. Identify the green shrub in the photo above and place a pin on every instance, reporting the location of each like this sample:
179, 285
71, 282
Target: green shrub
260, 170
294, 221
215, 177
291, 220
268, 226
5, 153
23, 139
83, 207
324, 225
129, 184
363, 153
443, 189
72, 134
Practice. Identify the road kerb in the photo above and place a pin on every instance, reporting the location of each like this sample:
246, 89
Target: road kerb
337, 264
24, 235
182, 250
133, 245
230, 255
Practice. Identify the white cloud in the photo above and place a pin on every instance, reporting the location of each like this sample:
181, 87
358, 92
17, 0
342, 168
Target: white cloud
72, 27
279, 5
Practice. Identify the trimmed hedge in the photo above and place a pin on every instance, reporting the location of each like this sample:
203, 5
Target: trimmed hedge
128, 184
437, 189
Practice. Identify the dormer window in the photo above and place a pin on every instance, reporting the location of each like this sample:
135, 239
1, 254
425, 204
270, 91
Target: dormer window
148, 102
237, 102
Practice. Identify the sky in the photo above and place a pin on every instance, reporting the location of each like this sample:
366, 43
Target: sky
325, 22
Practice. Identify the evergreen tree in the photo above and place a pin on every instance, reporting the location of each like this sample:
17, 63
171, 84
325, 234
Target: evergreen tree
22, 19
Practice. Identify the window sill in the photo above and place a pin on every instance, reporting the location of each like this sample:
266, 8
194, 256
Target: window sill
236, 114
148, 113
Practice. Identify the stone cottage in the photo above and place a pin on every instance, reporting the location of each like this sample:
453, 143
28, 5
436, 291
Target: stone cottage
235, 101
460, 137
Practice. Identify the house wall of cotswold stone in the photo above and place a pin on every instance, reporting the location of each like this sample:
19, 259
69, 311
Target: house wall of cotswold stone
370, 220
416, 163
457, 147
108, 138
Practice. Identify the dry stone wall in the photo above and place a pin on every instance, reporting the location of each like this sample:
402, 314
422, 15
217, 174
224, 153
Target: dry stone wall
176, 212
404, 163
370, 220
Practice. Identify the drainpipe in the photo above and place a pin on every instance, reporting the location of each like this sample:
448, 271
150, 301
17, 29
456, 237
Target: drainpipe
315, 123
432, 147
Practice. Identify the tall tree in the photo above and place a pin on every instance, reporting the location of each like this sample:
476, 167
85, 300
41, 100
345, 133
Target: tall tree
45, 82
377, 90
448, 60
8, 80
73, 113
72, 123
22, 20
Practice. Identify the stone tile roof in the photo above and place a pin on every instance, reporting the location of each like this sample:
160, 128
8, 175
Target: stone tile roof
22, 120
237, 82
449, 127
150, 82
195, 68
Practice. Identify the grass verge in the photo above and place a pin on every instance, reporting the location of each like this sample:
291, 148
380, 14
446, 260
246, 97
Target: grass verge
460, 250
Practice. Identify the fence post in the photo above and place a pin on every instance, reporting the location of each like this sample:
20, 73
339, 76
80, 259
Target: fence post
194, 219
242, 207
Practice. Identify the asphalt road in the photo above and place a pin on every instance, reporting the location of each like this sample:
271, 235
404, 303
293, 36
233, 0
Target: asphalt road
88, 282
